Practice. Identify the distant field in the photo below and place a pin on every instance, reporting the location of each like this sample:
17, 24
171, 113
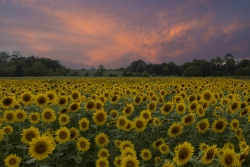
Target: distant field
92, 73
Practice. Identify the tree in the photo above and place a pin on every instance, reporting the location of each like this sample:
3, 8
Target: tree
100, 71
140, 64
244, 63
229, 59
192, 71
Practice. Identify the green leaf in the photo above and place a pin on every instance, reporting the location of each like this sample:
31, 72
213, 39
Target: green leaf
31, 161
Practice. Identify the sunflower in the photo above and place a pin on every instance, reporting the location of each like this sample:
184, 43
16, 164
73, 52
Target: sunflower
126, 143
234, 107
52, 97
114, 114
103, 152
168, 164
164, 149
26, 98
62, 135
137, 100
129, 161
156, 144
75, 95
9, 116
207, 96
90, 105
101, 140
225, 101
117, 143
99, 105
114, 99
200, 111
140, 124
82, 144
118, 161
146, 115
209, 155
63, 111
29, 134
41, 100
48, 115
181, 108
100, 117
229, 158
63, 119
34, 117
7, 130
146, 154
41, 147
245, 112
202, 125
228, 145
193, 106
175, 129
130, 126
238, 132
157, 121
128, 110
167, 108
191, 98
183, 153
188, 120
102, 162
12, 160
235, 124
121, 122
158, 159
219, 125
62, 100
20, 115
203, 146
83, 124
243, 145
74, 107
8, 102
74, 133
152, 106
128, 151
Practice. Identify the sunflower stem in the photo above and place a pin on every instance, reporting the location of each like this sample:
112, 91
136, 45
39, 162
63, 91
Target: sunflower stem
77, 157
6, 146
37, 163
245, 128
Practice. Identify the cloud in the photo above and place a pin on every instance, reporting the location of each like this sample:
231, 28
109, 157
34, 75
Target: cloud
87, 33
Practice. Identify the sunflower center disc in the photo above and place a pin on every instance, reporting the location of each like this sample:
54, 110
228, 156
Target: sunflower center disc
12, 161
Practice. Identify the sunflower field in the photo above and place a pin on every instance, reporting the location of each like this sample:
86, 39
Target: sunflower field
124, 122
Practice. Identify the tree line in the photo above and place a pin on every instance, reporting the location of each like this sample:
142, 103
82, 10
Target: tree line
218, 66
15, 65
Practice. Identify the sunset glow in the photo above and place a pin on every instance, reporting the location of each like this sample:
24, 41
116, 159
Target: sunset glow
84, 34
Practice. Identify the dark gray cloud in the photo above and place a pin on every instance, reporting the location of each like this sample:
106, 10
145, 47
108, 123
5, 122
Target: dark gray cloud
84, 34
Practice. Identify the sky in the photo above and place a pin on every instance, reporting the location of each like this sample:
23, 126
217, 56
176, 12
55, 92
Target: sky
87, 33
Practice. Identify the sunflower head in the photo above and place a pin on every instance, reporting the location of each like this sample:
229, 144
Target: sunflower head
167, 108
183, 153
29, 134
82, 144
175, 129
63, 135
41, 147
146, 154
12, 160
100, 117
219, 125
8, 102
101, 140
